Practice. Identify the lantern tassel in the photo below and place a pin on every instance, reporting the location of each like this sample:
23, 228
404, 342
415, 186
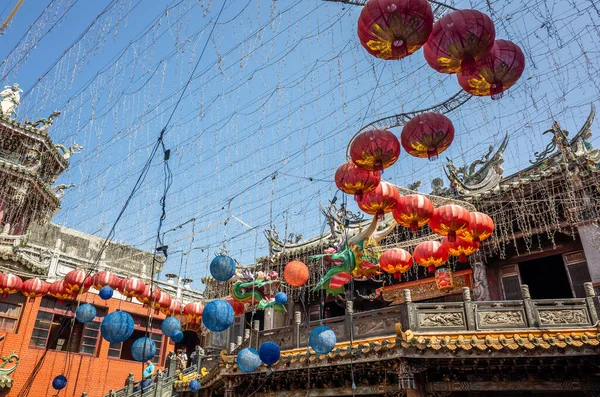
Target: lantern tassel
468, 65
414, 226
432, 154
451, 236
496, 91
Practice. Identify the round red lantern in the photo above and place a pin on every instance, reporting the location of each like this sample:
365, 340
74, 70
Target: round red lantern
10, 284
460, 248
443, 279
339, 280
496, 73
380, 201
458, 40
105, 278
427, 135
34, 288
413, 211
450, 220
238, 307
161, 300
430, 254
146, 298
374, 150
351, 179
395, 261
58, 290
77, 282
174, 309
130, 287
193, 311
394, 29
481, 226
295, 273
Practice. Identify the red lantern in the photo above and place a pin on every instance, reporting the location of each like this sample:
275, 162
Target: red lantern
174, 308
427, 135
450, 220
193, 311
394, 29
130, 287
458, 40
58, 290
146, 298
430, 254
395, 261
161, 300
10, 284
375, 150
339, 280
238, 307
76, 282
34, 288
481, 226
460, 248
413, 211
495, 73
443, 279
351, 179
105, 278
380, 201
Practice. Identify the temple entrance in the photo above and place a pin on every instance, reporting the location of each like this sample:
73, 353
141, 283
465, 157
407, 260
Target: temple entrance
189, 343
546, 277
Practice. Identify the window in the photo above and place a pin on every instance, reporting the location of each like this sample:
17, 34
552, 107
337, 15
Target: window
123, 350
56, 329
578, 271
511, 284
10, 312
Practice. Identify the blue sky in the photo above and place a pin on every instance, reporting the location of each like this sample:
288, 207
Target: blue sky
281, 88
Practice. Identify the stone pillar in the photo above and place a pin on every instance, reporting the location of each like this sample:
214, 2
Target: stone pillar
407, 313
239, 340
297, 321
481, 285
592, 302
160, 378
199, 357
246, 334
231, 347
528, 305
590, 240
348, 320
469, 310
269, 318
171, 363
129, 384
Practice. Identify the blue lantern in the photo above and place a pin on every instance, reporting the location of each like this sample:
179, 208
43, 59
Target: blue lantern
106, 292
322, 339
117, 327
170, 325
194, 386
143, 349
248, 360
281, 298
59, 382
222, 268
85, 313
269, 353
217, 315
177, 336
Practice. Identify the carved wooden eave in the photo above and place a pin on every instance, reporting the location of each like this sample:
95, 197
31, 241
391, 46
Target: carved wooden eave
37, 134
19, 259
21, 172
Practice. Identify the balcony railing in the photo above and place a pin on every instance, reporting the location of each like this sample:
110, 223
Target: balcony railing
452, 316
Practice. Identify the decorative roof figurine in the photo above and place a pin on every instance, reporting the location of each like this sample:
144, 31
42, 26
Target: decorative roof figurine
11, 98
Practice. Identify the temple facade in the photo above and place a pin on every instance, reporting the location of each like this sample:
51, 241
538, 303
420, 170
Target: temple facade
520, 318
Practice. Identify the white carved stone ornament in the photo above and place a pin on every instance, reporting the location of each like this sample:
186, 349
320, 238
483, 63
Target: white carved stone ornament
11, 98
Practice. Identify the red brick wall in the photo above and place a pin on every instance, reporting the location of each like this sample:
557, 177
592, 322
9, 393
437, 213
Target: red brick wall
95, 375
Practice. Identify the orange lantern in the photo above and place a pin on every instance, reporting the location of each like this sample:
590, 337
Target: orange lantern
497, 72
130, 287
375, 150
427, 135
174, 308
77, 282
443, 279
351, 179
238, 307
34, 288
105, 278
481, 227
57, 289
10, 284
460, 248
161, 300
395, 261
458, 40
450, 220
394, 29
193, 311
295, 273
380, 201
413, 211
430, 254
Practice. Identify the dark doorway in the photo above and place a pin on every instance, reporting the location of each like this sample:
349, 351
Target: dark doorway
546, 277
189, 343
259, 315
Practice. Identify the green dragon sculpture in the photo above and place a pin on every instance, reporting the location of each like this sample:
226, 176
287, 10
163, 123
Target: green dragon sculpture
257, 290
